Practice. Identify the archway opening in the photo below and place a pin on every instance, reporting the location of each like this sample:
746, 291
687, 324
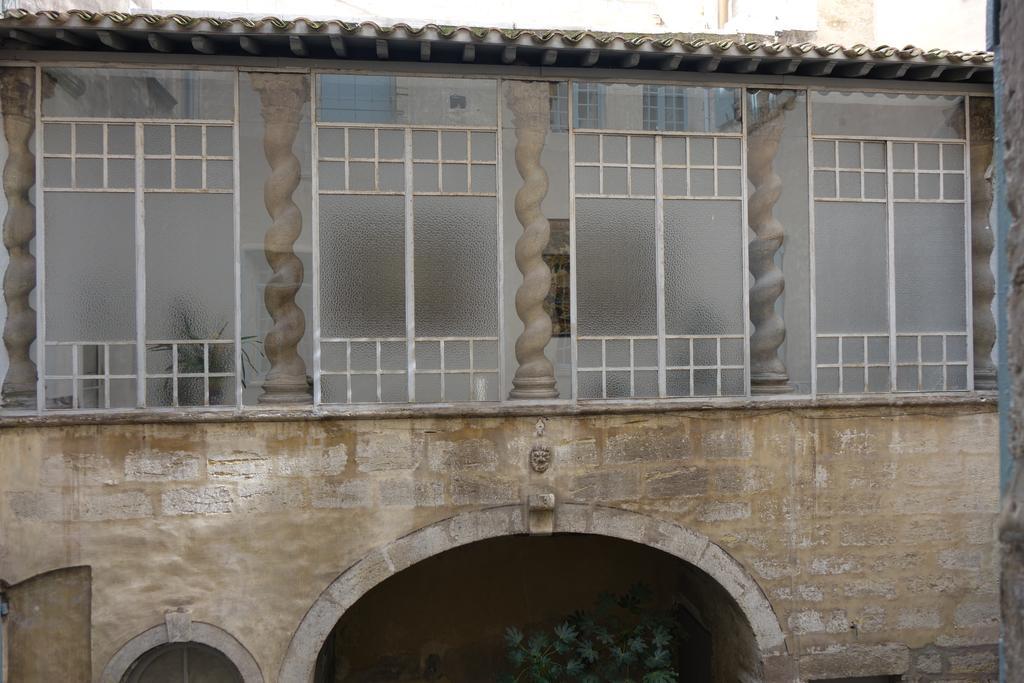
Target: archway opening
447, 618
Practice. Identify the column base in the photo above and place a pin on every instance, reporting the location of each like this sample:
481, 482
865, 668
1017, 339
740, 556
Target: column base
986, 380
19, 396
533, 388
287, 391
770, 383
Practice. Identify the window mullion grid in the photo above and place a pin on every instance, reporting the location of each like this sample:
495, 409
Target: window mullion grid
236, 201
500, 239
140, 270
969, 262
40, 197
744, 245
659, 237
890, 257
315, 181
811, 238
573, 332
410, 290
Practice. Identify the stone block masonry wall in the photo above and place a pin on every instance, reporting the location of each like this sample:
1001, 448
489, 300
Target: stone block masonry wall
870, 530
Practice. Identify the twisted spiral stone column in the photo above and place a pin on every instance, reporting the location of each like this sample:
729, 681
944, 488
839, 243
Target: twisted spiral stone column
983, 285
768, 374
17, 101
281, 99
535, 375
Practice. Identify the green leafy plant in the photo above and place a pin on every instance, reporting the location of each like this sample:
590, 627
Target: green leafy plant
622, 640
191, 361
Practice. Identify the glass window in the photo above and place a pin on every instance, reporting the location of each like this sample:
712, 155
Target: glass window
620, 106
344, 98
182, 663
887, 115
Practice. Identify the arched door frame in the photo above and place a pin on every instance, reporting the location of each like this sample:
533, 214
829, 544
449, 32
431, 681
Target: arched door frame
688, 545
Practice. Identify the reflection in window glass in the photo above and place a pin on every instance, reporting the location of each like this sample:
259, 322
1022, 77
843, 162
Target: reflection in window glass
887, 114
620, 106
182, 663
138, 93
345, 98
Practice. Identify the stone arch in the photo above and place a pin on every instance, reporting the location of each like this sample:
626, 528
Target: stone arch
197, 632
688, 545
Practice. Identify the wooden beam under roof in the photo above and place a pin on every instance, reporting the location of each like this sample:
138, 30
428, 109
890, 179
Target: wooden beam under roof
709, 64
590, 58
854, 69
298, 46
424, 50
631, 60
671, 63
113, 40
382, 49
250, 45
508, 55
73, 39
338, 45
549, 57
469, 53
204, 45
27, 38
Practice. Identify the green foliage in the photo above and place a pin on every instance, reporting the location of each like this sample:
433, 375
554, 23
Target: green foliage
621, 640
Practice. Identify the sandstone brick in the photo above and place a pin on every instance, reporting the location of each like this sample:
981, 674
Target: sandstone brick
124, 505
409, 550
395, 449
411, 493
871, 620
645, 445
833, 565
772, 569
238, 465
918, 618
314, 463
837, 661
462, 456
960, 559
813, 621
347, 494
726, 444
977, 612
579, 453
605, 486
852, 587
928, 662
809, 593
676, 481
37, 505
77, 470
154, 466
732, 479
470, 490
868, 534
203, 500
984, 661
724, 512
272, 496
487, 524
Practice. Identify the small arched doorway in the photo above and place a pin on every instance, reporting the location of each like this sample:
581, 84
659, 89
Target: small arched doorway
445, 618
182, 663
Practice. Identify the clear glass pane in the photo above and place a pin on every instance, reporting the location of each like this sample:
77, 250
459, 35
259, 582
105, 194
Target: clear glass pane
656, 107
887, 115
406, 99
138, 93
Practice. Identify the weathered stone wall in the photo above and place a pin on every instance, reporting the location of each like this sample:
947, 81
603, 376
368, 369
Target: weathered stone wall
869, 529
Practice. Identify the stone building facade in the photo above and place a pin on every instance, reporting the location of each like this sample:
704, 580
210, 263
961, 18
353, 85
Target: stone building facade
198, 461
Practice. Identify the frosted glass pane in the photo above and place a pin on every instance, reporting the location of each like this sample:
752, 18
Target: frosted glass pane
138, 93
703, 267
456, 266
189, 266
406, 99
362, 266
851, 267
887, 115
930, 290
90, 266
615, 248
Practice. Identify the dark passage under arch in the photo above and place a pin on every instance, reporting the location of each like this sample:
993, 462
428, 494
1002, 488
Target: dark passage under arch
443, 619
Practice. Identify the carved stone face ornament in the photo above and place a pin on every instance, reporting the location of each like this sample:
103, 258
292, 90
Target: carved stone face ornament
540, 458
